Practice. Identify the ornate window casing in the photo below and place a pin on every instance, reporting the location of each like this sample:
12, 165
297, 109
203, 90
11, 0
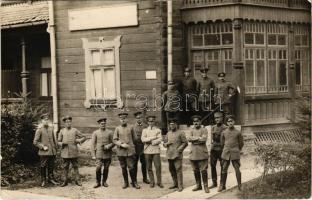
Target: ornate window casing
302, 57
102, 72
211, 45
266, 57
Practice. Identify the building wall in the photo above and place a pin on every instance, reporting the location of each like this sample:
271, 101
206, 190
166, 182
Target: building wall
141, 50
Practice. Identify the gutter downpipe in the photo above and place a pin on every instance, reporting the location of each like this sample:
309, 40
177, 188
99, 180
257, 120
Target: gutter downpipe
51, 30
169, 42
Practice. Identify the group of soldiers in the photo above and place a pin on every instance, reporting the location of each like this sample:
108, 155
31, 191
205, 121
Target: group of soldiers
141, 142
189, 96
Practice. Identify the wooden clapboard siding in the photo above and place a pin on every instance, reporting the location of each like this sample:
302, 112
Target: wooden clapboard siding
141, 49
267, 111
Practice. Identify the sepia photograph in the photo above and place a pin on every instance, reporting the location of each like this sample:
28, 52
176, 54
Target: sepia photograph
155, 99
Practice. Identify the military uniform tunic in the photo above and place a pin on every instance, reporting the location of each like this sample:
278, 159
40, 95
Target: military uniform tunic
68, 139
100, 139
177, 143
126, 135
139, 146
199, 149
233, 142
45, 137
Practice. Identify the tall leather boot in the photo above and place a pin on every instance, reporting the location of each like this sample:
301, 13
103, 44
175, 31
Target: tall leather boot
77, 177
43, 176
198, 181
152, 179
144, 173
51, 177
239, 181
98, 178
205, 180
125, 177
66, 178
105, 175
133, 179
175, 180
180, 180
222, 182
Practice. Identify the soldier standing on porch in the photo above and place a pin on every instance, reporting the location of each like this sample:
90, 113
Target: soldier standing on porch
139, 146
190, 94
68, 139
205, 99
175, 142
199, 153
46, 142
172, 101
232, 142
215, 146
101, 150
223, 96
125, 138
151, 137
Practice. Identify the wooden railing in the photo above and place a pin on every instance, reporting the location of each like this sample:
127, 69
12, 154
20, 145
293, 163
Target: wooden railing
275, 3
264, 90
10, 83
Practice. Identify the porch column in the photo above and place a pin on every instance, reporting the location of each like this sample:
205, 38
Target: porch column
238, 70
24, 73
292, 71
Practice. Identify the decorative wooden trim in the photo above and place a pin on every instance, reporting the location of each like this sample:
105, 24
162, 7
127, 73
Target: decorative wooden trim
88, 45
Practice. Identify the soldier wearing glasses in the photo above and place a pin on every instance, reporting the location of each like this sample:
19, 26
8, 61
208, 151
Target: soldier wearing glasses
199, 153
46, 142
101, 150
68, 139
232, 142
151, 137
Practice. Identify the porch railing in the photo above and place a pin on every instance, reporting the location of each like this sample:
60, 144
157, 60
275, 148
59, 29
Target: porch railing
10, 83
264, 90
275, 3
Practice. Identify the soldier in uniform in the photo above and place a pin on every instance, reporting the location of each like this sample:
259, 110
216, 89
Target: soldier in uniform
199, 153
175, 142
232, 142
68, 139
46, 142
172, 101
139, 146
101, 150
205, 99
151, 137
223, 96
215, 146
190, 93
125, 138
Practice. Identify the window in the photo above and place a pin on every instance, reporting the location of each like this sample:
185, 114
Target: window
255, 70
277, 34
212, 34
102, 71
45, 77
254, 33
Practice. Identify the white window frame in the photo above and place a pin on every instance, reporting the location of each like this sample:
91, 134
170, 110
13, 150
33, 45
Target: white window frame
101, 44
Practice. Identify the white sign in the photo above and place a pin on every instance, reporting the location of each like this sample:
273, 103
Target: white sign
103, 17
150, 74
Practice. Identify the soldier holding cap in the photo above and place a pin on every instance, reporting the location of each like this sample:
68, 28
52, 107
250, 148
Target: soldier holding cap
68, 139
151, 137
175, 142
206, 88
46, 142
125, 138
199, 153
190, 92
224, 93
139, 146
101, 150
214, 142
172, 101
232, 142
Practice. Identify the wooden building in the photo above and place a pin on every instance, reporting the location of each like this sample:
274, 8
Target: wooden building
264, 47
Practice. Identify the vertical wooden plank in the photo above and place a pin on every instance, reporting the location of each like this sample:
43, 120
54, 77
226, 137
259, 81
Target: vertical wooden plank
246, 112
269, 110
258, 111
252, 111
275, 115
263, 110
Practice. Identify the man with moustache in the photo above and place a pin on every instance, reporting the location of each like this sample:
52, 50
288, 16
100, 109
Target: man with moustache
139, 146
46, 142
199, 153
175, 142
101, 151
151, 137
125, 138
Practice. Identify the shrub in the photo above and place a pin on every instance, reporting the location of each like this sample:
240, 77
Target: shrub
18, 125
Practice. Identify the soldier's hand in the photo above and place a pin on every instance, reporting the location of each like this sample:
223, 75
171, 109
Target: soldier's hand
45, 148
124, 145
106, 147
154, 142
93, 157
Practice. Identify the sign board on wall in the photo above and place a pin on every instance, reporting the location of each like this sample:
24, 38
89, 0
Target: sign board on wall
118, 15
